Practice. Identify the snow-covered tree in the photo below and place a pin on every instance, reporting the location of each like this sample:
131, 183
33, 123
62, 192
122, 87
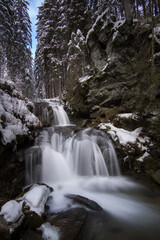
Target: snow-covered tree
58, 20
6, 32
15, 42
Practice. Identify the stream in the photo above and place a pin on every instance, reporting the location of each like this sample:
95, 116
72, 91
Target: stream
84, 162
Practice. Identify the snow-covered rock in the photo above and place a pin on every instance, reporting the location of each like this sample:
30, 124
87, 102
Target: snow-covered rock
36, 198
11, 211
133, 143
122, 135
11, 220
15, 117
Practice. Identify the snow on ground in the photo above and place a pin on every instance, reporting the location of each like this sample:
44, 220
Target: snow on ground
141, 159
36, 198
128, 115
121, 134
56, 99
85, 78
15, 117
11, 211
128, 137
49, 232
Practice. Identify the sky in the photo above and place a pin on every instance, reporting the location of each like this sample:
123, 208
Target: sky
33, 11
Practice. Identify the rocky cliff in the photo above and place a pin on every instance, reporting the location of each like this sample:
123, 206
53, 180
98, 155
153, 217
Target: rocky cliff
17, 127
124, 78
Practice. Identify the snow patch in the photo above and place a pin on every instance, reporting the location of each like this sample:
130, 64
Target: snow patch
85, 78
36, 198
141, 159
128, 115
16, 117
11, 211
121, 134
126, 137
95, 23
117, 24
7, 136
49, 232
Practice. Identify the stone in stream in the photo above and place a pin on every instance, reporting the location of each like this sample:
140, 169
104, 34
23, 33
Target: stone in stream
30, 208
84, 201
69, 223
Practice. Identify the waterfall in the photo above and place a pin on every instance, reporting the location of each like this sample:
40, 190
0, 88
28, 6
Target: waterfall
51, 112
87, 153
58, 157
84, 163
60, 115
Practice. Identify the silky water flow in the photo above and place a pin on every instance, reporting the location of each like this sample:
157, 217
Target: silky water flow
85, 163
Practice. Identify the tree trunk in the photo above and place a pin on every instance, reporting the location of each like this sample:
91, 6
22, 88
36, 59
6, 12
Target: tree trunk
155, 8
137, 7
150, 8
159, 6
144, 8
60, 90
127, 9
152, 44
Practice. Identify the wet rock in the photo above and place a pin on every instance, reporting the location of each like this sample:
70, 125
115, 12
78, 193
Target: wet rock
32, 235
155, 175
70, 223
84, 201
152, 168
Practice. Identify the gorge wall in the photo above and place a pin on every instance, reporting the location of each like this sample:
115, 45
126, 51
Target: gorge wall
121, 78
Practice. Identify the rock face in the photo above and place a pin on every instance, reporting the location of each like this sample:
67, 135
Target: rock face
123, 81
17, 127
45, 113
121, 56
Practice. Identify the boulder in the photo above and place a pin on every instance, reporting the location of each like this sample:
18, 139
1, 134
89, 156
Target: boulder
90, 204
70, 223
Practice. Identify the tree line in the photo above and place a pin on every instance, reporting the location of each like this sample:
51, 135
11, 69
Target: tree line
57, 21
15, 42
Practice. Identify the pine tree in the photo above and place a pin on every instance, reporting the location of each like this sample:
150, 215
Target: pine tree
6, 32
22, 41
15, 41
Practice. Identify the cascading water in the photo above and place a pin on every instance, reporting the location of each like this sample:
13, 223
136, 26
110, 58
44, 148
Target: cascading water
60, 115
83, 154
85, 163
